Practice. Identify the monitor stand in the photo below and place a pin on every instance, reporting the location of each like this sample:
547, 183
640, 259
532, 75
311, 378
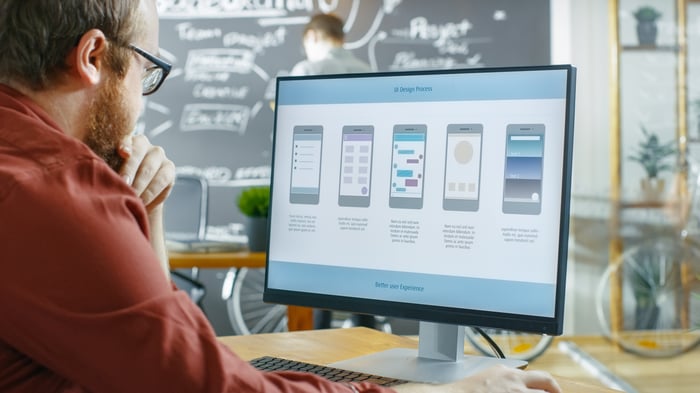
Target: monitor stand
440, 358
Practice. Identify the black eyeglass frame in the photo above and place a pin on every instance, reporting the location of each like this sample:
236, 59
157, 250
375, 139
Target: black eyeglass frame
158, 63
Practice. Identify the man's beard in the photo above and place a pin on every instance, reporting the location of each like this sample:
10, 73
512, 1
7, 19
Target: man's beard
109, 122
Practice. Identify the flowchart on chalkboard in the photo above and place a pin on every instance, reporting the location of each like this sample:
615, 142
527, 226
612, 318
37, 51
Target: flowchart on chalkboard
214, 114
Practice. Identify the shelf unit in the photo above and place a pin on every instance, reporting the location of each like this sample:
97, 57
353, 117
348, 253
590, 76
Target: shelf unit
649, 56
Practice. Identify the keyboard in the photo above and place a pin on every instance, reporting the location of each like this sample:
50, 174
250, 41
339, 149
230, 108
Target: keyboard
271, 363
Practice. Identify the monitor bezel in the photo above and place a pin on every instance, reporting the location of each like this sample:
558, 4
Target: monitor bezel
431, 313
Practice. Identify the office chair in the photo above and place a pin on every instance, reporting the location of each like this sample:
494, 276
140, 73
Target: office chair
185, 218
185, 222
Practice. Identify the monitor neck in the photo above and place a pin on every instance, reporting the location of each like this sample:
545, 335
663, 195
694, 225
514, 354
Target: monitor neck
439, 341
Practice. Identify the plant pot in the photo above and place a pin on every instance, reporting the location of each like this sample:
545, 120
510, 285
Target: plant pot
647, 32
653, 188
256, 229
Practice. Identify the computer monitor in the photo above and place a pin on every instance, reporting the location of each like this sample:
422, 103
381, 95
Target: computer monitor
441, 196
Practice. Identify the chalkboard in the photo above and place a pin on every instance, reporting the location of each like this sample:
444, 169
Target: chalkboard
214, 116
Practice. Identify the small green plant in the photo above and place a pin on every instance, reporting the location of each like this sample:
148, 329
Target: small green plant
647, 14
254, 202
652, 154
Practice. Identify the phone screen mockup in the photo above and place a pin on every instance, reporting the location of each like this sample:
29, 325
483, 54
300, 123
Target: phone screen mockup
462, 167
356, 166
306, 164
408, 166
524, 165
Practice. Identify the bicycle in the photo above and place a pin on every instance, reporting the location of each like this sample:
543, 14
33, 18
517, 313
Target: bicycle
653, 286
243, 290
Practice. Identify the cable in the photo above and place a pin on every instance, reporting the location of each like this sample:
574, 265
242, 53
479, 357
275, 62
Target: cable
492, 344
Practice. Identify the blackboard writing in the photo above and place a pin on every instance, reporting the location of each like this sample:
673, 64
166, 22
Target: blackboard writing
214, 115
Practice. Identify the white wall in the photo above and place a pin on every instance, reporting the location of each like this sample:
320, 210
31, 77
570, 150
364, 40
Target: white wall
580, 37
590, 53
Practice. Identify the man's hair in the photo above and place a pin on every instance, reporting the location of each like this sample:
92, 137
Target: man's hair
328, 25
36, 36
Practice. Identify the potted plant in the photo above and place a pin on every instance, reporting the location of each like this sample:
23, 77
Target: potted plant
254, 203
653, 155
646, 24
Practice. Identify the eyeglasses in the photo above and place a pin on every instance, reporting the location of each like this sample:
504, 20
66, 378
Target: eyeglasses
154, 75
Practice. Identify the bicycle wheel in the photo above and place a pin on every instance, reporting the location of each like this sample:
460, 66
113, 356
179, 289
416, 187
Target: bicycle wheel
247, 312
653, 300
515, 345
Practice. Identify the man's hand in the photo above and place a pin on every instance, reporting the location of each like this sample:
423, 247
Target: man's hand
497, 379
147, 170
152, 175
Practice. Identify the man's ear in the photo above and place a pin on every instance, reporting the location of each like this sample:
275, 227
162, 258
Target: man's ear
88, 57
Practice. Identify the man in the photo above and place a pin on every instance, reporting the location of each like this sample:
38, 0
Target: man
323, 40
85, 300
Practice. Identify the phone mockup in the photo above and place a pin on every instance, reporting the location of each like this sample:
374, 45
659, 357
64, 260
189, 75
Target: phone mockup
462, 167
522, 185
407, 166
356, 166
305, 182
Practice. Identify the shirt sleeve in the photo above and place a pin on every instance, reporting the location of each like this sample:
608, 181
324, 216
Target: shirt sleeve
84, 296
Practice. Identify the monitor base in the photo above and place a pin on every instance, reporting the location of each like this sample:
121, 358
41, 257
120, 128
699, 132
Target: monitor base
404, 363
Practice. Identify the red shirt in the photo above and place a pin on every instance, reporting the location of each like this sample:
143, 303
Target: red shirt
84, 304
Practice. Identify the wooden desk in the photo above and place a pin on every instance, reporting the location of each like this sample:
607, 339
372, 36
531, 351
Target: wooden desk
216, 260
678, 374
332, 345
298, 318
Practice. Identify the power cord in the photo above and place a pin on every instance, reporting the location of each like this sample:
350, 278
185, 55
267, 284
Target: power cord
496, 349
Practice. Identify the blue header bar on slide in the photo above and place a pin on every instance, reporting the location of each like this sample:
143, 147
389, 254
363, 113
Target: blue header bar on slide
421, 87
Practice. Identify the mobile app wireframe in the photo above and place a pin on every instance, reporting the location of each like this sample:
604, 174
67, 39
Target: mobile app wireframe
523, 175
356, 166
305, 182
408, 166
462, 167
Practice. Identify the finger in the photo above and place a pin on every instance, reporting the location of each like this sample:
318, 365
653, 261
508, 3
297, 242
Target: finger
149, 169
159, 188
541, 381
149, 163
138, 148
125, 147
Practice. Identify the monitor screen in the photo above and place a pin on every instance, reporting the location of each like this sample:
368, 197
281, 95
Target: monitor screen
441, 196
